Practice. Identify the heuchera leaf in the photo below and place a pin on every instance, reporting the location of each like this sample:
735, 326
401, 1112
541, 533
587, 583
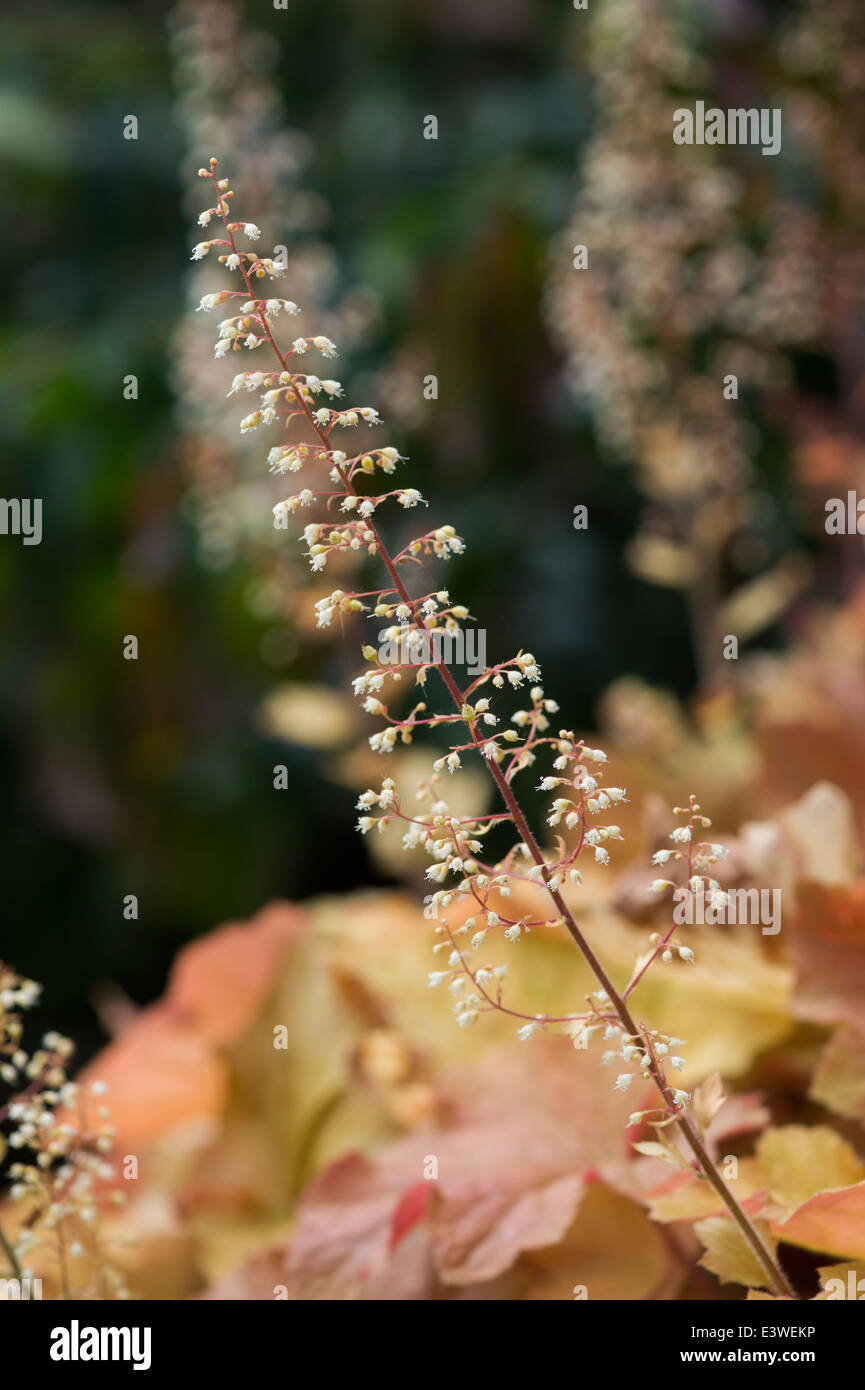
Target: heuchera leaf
166, 1068
728, 1255
707, 1100
798, 1161
827, 947
839, 1078
527, 1132
830, 1221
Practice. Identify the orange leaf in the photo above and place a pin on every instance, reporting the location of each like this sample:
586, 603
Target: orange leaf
829, 1221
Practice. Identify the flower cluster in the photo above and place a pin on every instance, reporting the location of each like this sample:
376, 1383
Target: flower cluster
700, 273
505, 896
699, 857
226, 97
60, 1139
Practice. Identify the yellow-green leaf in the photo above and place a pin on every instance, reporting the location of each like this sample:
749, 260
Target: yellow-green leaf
728, 1255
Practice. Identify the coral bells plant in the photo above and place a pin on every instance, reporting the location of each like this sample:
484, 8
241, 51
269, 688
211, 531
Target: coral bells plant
60, 1140
480, 721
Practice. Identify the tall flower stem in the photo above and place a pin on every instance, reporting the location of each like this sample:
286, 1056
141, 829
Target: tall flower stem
777, 1280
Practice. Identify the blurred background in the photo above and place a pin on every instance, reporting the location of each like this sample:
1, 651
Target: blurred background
556, 387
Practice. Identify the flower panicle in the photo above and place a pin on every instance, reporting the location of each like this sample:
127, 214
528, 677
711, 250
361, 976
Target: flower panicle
61, 1140
466, 882
477, 898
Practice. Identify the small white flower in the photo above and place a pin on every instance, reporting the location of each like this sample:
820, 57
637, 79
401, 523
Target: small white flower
326, 347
